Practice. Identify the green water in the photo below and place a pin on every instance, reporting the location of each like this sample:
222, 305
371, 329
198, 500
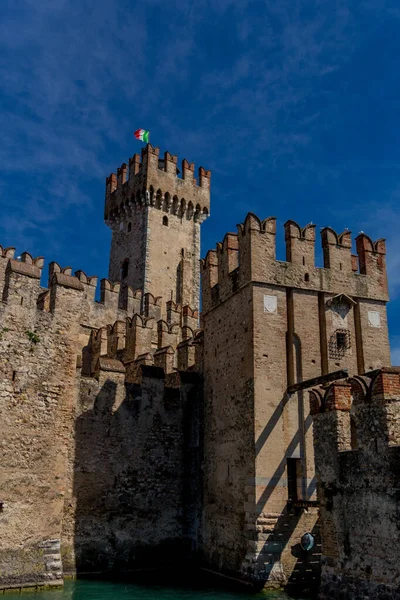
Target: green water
100, 590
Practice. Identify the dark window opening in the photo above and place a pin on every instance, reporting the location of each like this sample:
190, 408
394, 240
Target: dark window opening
339, 343
22, 301
341, 340
304, 260
129, 227
294, 479
124, 269
13, 375
306, 277
165, 221
340, 266
353, 434
178, 283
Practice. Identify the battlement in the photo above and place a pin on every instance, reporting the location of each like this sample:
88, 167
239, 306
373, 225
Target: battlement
154, 181
250, 255
127, 345
360, 413
20, 287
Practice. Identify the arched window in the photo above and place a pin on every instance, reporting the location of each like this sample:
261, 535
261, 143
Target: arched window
124, 269
165, 221
129, 227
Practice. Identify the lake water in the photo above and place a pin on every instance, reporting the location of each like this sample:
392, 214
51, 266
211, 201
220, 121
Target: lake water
100, 590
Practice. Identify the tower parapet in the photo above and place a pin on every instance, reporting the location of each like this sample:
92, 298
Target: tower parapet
155, 181
251, 256
155, 213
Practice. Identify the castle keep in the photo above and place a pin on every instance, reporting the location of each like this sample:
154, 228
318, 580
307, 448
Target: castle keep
135, 433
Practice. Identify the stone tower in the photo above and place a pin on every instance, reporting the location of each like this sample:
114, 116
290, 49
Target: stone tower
155, 213
270, 326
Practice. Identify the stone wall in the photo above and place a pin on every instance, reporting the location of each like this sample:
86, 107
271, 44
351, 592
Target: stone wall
229, 457
37, 366
357, 455
126, 506
100, 428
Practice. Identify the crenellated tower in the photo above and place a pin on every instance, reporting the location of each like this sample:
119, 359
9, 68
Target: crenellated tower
155, 212
270, 327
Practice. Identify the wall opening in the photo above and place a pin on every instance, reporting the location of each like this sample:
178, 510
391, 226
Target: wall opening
294, 479
165, 221
306, 277
304, 260
341, 340
129, 227
124, 269
353, 433
339, 343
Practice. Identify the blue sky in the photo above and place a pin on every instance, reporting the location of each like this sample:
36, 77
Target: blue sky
293, 105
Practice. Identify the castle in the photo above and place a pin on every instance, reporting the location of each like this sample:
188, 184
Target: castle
137, 433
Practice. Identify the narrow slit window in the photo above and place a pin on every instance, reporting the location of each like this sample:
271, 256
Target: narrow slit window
294, 479
165, 221
353, 434
124, 269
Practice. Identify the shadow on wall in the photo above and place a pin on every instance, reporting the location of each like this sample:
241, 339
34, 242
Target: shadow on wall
129, 477
282, 549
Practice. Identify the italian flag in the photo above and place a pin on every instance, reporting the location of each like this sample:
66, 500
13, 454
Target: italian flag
142, 134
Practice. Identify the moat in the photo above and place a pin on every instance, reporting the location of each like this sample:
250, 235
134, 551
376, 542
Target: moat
100, 590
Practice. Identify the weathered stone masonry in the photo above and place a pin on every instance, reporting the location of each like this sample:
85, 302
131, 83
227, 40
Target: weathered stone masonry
357, 459
131, 438
269, 324
99, 436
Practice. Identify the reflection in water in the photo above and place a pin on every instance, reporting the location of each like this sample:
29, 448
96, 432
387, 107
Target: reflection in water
100, 590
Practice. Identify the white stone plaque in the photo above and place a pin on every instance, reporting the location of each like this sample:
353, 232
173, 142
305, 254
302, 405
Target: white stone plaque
374, 318
270, 304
